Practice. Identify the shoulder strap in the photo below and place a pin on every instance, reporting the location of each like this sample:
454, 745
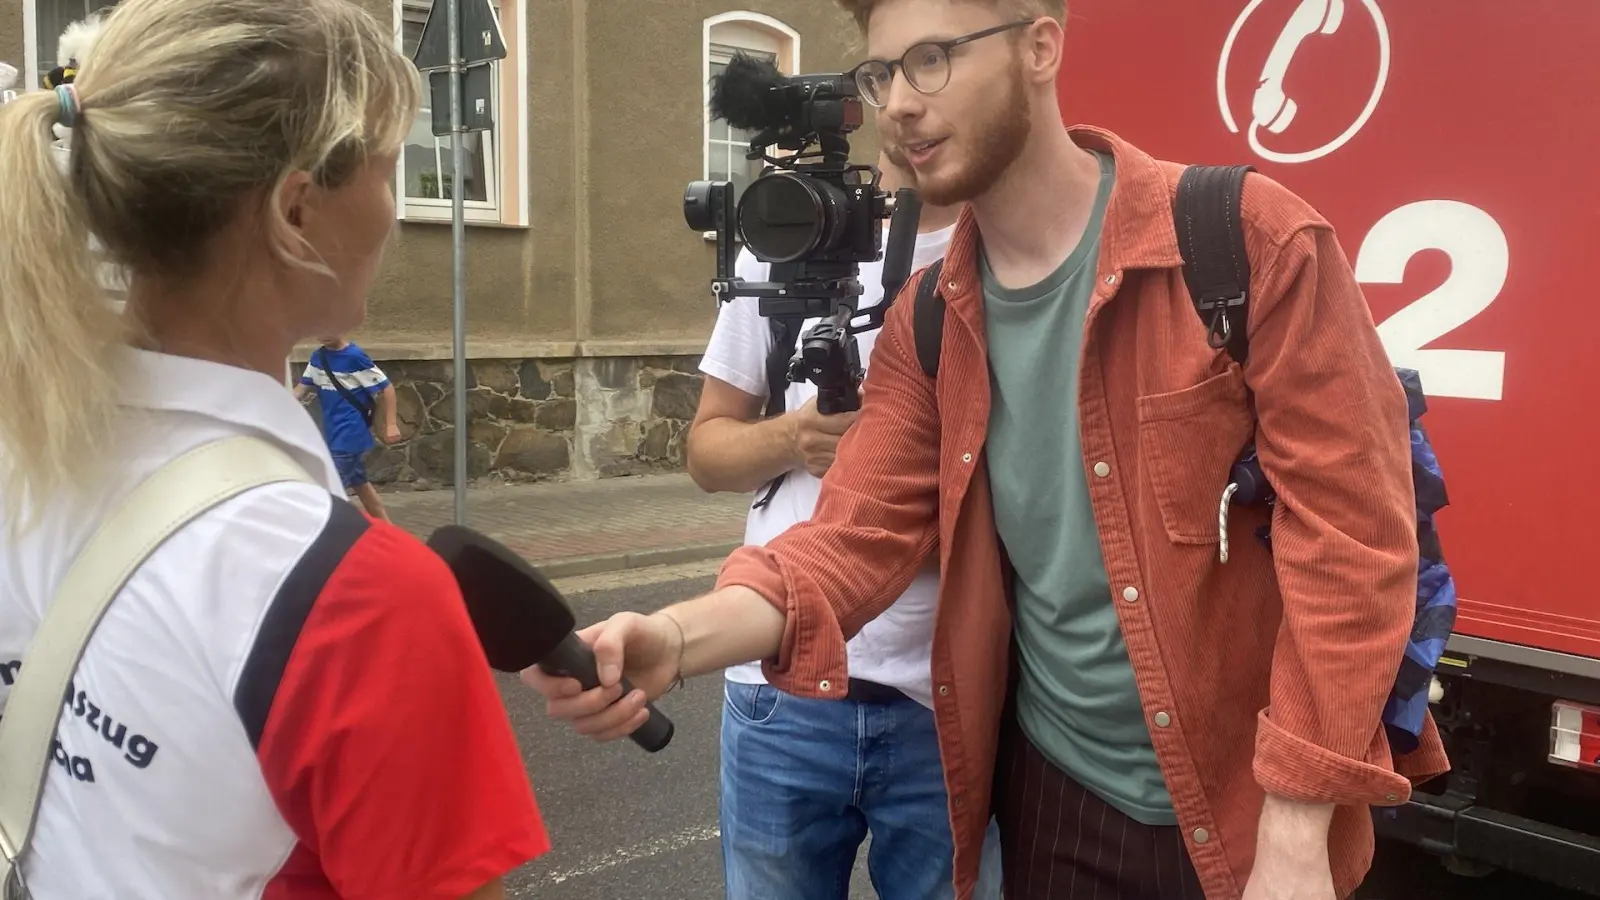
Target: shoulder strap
364, 409
785, 337
927, 319
157, 508
1216, 266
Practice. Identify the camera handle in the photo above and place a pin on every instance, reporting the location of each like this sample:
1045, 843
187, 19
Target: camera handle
829, 356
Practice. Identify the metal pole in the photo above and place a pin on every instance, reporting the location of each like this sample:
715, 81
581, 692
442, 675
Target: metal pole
459, 276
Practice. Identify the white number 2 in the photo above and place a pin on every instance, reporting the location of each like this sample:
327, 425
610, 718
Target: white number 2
1479, 259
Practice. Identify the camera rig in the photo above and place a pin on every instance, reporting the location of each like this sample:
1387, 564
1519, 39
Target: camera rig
812, 215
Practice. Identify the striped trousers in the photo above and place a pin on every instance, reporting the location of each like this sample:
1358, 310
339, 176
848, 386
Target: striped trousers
1061, 842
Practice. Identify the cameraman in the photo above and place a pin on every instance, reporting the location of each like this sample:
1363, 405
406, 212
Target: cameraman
794, 809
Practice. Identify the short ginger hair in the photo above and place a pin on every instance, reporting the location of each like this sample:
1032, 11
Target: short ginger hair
1021, 9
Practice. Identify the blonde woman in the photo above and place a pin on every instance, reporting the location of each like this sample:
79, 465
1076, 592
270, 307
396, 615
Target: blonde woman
286, 699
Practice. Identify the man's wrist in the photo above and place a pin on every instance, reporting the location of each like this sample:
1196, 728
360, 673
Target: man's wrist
726, 627
677, 629
1290, 825
791, 437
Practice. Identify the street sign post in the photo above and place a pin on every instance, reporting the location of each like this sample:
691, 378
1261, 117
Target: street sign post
460, 42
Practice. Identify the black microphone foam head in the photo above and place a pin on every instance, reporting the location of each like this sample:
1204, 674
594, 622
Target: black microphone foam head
519, 616
748, 95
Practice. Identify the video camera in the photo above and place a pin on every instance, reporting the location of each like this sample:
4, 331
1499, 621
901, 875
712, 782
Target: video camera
813, 216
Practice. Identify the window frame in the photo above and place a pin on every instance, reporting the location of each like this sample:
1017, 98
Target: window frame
760, 33
507, 153
31, 48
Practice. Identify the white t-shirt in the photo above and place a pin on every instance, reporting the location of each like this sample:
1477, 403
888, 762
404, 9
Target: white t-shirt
893, 649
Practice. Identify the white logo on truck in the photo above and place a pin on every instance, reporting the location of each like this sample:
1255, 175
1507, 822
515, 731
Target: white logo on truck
1274, 110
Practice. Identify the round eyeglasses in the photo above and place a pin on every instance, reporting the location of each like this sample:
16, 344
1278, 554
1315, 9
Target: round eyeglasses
926, 65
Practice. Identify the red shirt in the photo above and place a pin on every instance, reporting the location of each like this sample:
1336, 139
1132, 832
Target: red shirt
1267, 673
387, 746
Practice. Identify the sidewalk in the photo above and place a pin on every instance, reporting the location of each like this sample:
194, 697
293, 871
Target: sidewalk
589, 527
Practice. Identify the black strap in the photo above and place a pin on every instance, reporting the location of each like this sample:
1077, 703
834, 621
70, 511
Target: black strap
366, 411
785, 337
1216, 266
927, 320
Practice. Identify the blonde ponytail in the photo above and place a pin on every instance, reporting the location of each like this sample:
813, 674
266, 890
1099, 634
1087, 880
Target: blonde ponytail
57, 324
187, 113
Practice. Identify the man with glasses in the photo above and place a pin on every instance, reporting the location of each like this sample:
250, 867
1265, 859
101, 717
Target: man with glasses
1149, 718
804, 781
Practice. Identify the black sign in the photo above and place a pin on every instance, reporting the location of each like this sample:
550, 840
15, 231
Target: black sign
477, 106
481, 41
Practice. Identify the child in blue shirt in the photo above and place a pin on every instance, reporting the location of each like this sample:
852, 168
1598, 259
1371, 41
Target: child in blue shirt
351, 390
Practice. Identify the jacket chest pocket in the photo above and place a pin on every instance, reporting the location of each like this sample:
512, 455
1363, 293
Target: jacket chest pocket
1188, 442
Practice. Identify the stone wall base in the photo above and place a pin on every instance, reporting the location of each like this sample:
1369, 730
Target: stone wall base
539, 419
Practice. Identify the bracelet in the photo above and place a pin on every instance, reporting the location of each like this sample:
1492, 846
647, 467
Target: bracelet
677, 679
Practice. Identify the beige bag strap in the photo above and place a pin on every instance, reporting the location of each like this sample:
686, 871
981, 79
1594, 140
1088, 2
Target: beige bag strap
166, 501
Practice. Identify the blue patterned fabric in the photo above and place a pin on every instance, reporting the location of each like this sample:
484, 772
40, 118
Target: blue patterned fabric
1406, 709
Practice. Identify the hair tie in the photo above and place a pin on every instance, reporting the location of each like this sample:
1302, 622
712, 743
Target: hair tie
67, 96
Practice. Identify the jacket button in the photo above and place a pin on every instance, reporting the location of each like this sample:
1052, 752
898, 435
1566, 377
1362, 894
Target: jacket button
966, 457
1130, 593
1102, 469
1201, 835
944, 691
1163, 720
825, 685
951, 285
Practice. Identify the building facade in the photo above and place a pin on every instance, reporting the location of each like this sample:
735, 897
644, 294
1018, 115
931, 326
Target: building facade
588, 296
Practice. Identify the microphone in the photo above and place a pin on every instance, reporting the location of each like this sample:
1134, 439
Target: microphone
522, 620
749, 94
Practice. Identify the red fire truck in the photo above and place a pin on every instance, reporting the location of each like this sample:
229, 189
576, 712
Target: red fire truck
1456, 148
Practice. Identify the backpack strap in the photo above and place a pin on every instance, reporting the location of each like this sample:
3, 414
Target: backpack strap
927, 319
367, 412
1216, 266
159, 507
785, 337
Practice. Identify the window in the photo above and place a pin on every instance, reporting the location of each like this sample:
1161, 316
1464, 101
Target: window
490, 182
726, 35
50, 18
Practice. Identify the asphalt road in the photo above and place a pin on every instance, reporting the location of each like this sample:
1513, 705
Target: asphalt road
626, 824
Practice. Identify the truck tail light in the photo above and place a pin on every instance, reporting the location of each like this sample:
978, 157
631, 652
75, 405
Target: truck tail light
1575, 735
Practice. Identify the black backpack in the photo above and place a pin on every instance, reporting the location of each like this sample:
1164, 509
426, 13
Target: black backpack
1216, 269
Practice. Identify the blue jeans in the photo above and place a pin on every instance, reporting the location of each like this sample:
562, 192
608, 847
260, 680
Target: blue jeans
803, 783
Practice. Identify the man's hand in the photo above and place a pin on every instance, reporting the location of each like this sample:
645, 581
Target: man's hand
816, 436
1292, 853
645, 648
391, 433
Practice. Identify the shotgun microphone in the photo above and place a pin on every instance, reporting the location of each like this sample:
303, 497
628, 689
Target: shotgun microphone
522, 620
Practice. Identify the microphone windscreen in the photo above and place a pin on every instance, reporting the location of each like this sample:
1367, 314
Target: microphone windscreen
746, 94
519, 616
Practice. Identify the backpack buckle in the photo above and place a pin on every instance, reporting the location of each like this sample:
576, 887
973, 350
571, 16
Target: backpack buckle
1218, 331
15, 886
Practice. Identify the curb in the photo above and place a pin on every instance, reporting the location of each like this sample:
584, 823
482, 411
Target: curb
616, 562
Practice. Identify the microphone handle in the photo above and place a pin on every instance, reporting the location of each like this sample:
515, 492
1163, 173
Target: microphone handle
572, 658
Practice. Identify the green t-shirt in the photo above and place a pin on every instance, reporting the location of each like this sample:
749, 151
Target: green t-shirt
1077, 700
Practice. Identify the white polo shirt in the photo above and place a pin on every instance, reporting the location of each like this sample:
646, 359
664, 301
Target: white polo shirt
285, 701
894, 649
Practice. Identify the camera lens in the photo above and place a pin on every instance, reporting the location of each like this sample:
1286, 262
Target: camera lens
786, 217
697, 206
